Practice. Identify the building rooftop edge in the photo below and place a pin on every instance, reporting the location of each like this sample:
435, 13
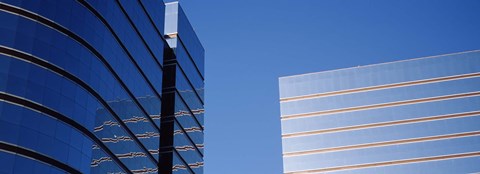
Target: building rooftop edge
376, 64
170, 2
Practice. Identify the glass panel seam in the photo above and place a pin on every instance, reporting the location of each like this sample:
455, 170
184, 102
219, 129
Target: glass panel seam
38, 107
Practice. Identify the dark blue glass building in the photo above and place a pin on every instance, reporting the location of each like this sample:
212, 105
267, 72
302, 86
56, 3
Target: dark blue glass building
90, 86
419, 116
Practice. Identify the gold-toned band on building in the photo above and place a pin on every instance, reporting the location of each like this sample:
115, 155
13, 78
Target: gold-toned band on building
379, 87
381, 105
381, 124
388, 163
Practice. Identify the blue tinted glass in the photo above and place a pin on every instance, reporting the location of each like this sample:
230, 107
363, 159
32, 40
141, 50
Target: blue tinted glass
79, 73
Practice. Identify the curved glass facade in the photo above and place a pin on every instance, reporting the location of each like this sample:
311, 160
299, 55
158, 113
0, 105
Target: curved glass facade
412, 116
86, 87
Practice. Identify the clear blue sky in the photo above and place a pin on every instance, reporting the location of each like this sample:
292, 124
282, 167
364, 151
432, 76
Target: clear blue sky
250, 43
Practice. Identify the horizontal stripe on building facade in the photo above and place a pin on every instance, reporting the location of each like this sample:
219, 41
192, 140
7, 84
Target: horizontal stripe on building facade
389, 114
382, 124
104, 21
387, 163
381, 96
17, 150
134, 119
93, 10
54, 114
63, 30
189, 139
57, 70
385, 143
381, 105
55, 26
380, 87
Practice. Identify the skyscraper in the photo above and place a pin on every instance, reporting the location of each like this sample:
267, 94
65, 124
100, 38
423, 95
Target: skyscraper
414, 116
92, 86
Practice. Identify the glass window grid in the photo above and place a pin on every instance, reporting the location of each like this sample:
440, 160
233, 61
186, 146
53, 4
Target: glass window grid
187, 150
189, 95
190, 40
73, 51
93, 76
187, 121
48, 136
13, 163
52, 97
90, 28
155, 9
189, 67
148, 33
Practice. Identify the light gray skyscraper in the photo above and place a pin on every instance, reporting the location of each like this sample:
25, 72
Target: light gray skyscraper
414, 116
